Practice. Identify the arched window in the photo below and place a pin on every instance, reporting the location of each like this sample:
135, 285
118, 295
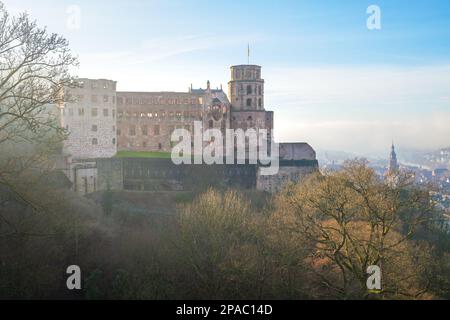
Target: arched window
249, 102
114, 141
210, 124
249, 89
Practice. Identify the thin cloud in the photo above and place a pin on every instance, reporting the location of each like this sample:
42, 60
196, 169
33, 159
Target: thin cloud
360, 109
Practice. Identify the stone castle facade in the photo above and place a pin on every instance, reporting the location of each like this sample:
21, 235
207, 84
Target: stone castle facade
90, 117
102, 121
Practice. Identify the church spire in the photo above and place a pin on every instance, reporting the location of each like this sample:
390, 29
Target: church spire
393, 164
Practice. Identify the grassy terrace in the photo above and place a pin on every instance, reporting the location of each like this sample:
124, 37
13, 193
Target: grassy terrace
143, 154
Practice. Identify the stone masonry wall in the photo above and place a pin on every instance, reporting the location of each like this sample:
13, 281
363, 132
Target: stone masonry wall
89, 115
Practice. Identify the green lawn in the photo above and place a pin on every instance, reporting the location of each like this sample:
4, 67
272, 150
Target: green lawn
143, 154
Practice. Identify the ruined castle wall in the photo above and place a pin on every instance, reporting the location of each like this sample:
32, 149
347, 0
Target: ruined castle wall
146, 120
89, 115
285, 175
109, 174
162, 174
147, 174
84, 177
297, 162
297, 151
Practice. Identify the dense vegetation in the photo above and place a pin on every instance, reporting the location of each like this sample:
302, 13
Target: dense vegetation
313, 240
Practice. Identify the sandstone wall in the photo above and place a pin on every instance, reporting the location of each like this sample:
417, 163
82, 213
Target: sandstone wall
146, 120
89, 115
297, 162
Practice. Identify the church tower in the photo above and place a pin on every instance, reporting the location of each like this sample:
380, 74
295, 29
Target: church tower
393, 164
246, 88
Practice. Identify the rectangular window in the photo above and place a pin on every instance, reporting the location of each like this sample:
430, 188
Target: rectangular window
156, 130
94, 128
80, 111
93, 98
132, 131
105, 98
105, 112
94, 112
144, 130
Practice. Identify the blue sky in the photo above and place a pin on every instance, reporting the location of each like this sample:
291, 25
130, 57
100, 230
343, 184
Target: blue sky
330, 80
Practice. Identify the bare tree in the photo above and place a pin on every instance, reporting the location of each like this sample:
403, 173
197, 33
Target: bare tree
34, 66
217, 239
351, 219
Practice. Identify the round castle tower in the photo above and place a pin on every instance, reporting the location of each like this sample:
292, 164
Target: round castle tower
246, 88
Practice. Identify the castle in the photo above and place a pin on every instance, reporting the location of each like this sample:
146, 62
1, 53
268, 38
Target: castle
102, 121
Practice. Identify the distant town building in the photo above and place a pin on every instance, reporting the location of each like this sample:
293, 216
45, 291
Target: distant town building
392, 172
393, 166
